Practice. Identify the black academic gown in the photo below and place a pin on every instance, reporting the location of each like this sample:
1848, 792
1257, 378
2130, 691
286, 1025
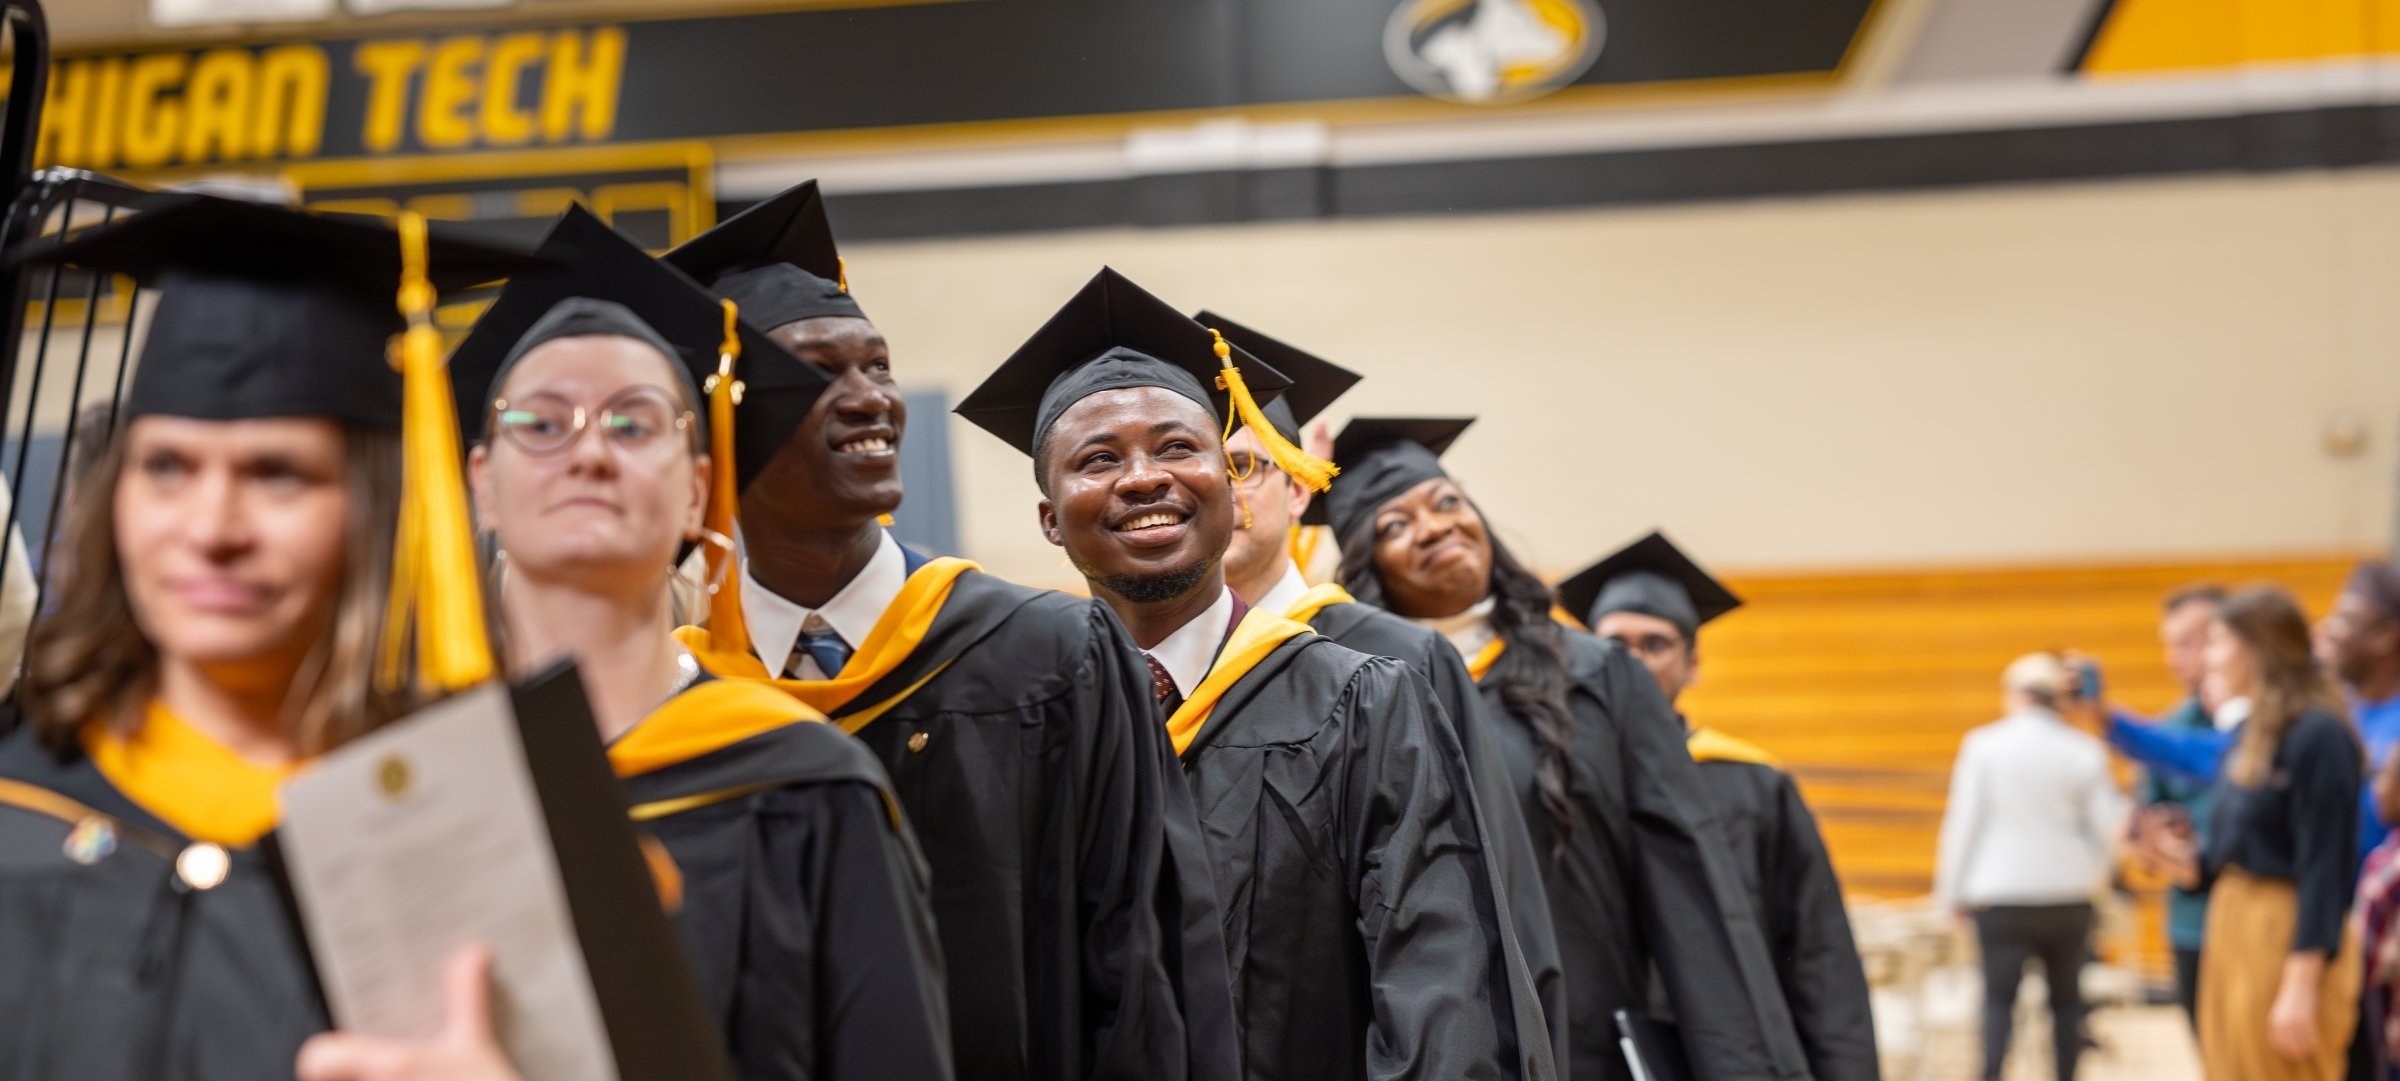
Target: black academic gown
1375, 632
115, 971
1786, 872
1645, 882
1024, 747
804, 906
1364, 930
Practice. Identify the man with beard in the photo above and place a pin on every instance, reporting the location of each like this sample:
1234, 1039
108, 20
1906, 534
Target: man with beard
1361, 916
1652, 599
1260, 568
1075, 919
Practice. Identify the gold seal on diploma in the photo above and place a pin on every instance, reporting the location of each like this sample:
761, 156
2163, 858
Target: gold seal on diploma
393, 777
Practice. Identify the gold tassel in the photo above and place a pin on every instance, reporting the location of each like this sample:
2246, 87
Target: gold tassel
1303, 545
391, 659
884, 520
841, 273
725, 623
437, 596
1311, 471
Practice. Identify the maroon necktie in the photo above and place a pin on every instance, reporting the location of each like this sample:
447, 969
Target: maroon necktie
1161, 684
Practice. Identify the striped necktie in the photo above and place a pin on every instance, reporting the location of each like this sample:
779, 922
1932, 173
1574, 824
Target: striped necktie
818, 642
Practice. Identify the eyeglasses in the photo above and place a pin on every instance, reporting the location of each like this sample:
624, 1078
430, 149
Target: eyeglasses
637, 422
1251, 470
1650, 645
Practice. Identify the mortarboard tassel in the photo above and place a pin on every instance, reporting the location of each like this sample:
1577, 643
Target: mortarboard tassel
725, 622
437, 596
1303, 545
1311, 471
841, 273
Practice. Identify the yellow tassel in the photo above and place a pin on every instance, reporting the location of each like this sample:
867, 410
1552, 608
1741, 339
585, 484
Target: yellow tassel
841, 273
1305, 540
437, 596
725, 622
391, 661
1315, 473
884, 520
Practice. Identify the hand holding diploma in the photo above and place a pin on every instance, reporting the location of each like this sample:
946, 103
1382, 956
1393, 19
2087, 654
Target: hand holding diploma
463, 1050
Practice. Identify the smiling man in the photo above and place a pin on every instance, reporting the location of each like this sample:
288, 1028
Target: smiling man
1015, 723
1360, 911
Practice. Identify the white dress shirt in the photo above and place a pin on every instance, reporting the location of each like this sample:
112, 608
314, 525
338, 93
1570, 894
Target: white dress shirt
1468, 631
1191, 651
775, 622
1286, 592
2033, 815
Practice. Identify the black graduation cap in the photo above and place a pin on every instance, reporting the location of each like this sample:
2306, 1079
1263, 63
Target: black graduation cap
1387, 456
599, 263
1650, 576
267, 311
1113, 334
1316, 382
776, 259
579, 317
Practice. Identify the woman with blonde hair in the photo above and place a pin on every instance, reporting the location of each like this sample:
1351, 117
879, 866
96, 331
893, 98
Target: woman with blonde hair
2279, 972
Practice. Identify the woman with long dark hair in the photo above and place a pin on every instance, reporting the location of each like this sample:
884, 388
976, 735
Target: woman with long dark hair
226, 573
2279, 972
1633, 868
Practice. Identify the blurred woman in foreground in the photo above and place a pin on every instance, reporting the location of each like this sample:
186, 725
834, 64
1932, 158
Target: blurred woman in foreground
225, 579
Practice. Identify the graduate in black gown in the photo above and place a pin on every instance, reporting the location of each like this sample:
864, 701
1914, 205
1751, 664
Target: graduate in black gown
1261, 568
1014, 723
1639, 876
801, 899
1366, 931
226, 568
1650, 598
